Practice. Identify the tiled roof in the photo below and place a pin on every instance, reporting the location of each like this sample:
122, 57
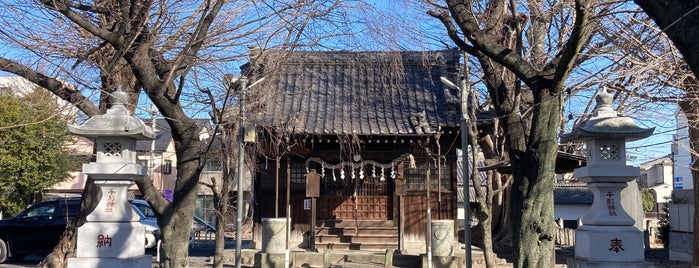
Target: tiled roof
572, 195
362, 93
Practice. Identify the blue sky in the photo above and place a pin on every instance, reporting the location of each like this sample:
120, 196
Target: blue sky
414, 24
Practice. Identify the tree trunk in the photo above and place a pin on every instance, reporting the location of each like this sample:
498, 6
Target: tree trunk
679, 21
65, 249
691, 110
532, 196
176, 233
175, 218
221, 199
503, 235
485, 221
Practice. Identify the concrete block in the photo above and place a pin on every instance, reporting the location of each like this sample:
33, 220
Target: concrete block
578, 263
145, 261
267, 260
609, 243
111, 240
442, 261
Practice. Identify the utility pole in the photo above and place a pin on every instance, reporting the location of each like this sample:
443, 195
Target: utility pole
466, 179
241, 165
241, 162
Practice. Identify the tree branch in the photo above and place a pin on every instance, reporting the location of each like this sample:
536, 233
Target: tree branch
61, 89
64, 8
510, 59
451, 30
579, 36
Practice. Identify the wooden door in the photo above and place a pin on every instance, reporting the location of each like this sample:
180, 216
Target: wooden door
362, 199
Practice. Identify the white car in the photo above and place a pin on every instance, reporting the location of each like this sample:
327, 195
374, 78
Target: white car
148, 220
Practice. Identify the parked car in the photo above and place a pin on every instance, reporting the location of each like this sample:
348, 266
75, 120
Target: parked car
38, 229
148, 220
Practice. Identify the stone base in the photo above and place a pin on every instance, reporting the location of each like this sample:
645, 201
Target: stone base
111, 240
609, 244
676, 255
681, 246
442, 261
269, 260
145, 261
578, 263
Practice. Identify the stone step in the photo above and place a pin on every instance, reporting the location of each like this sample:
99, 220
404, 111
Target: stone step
352, 223
356, 246
357, 239
356, 235
364, 231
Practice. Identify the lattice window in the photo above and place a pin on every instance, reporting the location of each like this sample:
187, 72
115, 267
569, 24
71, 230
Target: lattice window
416, 178
609, 152
112, 149
298, 172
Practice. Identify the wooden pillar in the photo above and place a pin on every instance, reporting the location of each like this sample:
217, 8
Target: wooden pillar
400, 191
312, 191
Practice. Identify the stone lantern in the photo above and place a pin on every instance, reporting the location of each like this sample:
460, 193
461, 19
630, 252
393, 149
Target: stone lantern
607, 237
113, 235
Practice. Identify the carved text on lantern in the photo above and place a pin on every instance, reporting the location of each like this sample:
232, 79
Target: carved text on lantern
104, 241
111, 200
611, 208
616, 245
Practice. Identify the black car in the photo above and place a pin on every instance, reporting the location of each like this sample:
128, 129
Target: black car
37, 229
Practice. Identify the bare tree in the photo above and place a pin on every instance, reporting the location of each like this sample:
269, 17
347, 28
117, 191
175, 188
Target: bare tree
678, 20
494, 34
168, 49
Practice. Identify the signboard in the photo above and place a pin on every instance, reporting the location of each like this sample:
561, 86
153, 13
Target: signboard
678, 183
312, 184
307, 204
400, 186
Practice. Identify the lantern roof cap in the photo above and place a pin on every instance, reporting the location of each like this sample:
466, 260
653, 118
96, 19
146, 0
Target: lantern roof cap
606, 123
116, 122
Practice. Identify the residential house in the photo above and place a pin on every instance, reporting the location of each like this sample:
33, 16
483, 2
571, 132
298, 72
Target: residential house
158, 155
656, 175
571, 202
681, 155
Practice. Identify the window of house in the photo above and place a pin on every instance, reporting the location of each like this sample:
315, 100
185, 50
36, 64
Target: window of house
167, 167
143, 163
643, 181
204, 208
212, 165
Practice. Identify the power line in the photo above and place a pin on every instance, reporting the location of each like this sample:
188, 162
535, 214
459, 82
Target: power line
615, 62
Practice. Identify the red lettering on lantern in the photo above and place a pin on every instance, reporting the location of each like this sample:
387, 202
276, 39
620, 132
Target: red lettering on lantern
616, 245
110, 201
104, 241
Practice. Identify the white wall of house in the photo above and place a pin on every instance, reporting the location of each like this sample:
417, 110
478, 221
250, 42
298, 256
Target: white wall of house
657, 176
570, 211
21, 86
681, 236
682, 177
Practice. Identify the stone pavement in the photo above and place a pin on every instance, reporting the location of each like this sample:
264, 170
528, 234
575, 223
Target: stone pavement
200, 257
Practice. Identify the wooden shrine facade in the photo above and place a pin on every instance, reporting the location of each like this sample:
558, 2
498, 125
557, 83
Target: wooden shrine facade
380, 184
360, 139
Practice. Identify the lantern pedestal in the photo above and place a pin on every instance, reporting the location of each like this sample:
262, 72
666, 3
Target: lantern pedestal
608, 237
114, 205
606, 209
609, 243
113, 235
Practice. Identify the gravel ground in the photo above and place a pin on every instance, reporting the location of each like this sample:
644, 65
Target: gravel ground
200, 256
